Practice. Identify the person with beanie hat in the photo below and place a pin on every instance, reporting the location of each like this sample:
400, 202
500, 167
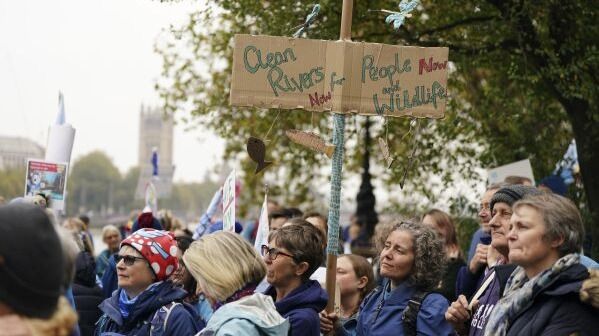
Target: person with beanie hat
31, 273
146, 299
146, 220
490, 289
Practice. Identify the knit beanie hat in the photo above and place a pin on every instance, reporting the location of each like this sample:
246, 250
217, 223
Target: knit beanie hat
158, 247
32, 264
146, 220
513, 193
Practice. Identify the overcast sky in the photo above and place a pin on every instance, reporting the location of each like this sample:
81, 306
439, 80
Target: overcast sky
100, 54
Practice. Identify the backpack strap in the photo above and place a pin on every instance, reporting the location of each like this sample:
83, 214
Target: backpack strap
159, 319
409, 316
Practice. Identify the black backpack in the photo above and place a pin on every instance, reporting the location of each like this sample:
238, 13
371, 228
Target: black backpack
409, 316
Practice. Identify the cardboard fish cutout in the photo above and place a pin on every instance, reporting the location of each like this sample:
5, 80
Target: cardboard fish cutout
311, 140
257, 151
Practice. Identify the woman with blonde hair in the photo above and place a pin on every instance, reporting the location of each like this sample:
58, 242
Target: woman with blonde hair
228, 269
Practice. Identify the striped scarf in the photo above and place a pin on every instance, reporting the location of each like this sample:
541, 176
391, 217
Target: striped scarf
519, 293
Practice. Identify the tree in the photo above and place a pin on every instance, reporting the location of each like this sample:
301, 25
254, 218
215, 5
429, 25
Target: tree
12, 183
523, 83
92, 183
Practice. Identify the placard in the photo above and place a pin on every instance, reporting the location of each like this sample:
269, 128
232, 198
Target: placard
48, 178
229, 203
339, 76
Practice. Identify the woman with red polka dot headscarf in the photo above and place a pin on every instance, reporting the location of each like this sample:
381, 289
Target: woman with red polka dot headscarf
146, 300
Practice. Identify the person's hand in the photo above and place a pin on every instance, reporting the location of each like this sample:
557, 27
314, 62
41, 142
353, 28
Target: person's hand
479, 259
458, 315
327, 321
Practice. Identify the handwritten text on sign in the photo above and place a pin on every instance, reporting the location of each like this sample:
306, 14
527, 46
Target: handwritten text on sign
339, 76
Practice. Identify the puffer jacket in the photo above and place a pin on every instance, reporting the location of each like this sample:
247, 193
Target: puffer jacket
159, 310
86, 293
557, 309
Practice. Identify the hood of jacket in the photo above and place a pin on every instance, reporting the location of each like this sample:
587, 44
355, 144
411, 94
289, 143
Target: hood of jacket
147, 303
85, 270
569, 281
257, 309
308, 295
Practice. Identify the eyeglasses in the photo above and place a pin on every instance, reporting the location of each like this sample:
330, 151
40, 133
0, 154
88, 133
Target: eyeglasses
273, 253
127, 259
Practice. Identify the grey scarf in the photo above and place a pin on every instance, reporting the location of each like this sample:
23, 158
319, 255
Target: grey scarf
519, 291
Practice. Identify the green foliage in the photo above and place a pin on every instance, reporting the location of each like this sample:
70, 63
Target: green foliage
95, 184
12, 183
522, 72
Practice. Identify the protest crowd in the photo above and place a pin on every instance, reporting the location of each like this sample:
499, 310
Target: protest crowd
524, 274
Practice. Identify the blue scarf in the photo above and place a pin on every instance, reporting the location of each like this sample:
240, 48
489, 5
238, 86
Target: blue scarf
126, 304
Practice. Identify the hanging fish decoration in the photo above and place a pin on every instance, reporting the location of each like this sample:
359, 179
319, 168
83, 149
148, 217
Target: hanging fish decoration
384, 146
311, 140
257, 151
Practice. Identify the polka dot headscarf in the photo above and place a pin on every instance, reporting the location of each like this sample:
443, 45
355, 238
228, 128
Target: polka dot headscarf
158, 247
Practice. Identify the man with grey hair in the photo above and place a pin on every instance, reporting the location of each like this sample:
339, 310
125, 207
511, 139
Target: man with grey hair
489, 291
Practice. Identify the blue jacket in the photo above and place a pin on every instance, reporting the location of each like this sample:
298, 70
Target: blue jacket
109, 278
154, 306
301, 307
253, 315
380, 313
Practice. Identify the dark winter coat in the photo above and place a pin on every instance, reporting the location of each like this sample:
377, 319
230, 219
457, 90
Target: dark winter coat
556, 309
301, 307
152, 309
86, 293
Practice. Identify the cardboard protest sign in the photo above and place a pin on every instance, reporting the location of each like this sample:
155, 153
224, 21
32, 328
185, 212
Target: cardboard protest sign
49, 178
339, 76
229, 203
518, 168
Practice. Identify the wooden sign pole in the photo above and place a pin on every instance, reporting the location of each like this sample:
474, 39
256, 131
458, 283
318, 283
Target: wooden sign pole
336, 176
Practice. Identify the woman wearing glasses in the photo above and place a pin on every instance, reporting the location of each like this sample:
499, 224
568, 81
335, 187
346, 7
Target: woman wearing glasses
294, 252
412, 261
228, 269
145, 300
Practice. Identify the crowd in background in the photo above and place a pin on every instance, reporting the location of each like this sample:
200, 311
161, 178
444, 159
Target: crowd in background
524, 273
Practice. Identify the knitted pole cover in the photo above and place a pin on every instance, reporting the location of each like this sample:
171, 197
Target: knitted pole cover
336, 176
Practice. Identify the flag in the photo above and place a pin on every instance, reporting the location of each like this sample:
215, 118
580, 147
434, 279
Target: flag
154, 162
262, 232
151, 197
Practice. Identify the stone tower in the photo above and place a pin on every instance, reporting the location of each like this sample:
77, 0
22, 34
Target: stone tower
155, 131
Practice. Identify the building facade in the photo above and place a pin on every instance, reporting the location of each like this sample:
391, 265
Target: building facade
14, 152
156, 130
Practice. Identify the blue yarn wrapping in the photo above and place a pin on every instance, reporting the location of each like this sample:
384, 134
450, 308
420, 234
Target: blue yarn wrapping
336, 177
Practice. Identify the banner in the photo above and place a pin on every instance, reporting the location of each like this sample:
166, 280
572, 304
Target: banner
339, 76
229, 203
48, 178
263, 227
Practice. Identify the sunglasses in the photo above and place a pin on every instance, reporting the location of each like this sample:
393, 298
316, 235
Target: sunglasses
127, 259
273, 253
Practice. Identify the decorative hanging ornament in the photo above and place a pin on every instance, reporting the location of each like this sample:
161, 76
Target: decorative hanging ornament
408, 165
257, 152
384, 146
311, 140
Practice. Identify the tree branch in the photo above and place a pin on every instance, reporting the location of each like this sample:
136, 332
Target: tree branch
458, 23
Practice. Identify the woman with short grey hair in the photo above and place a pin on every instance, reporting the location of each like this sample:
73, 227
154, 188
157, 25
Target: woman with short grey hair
542, 296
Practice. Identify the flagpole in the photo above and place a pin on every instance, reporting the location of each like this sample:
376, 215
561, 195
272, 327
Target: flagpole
336, 176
